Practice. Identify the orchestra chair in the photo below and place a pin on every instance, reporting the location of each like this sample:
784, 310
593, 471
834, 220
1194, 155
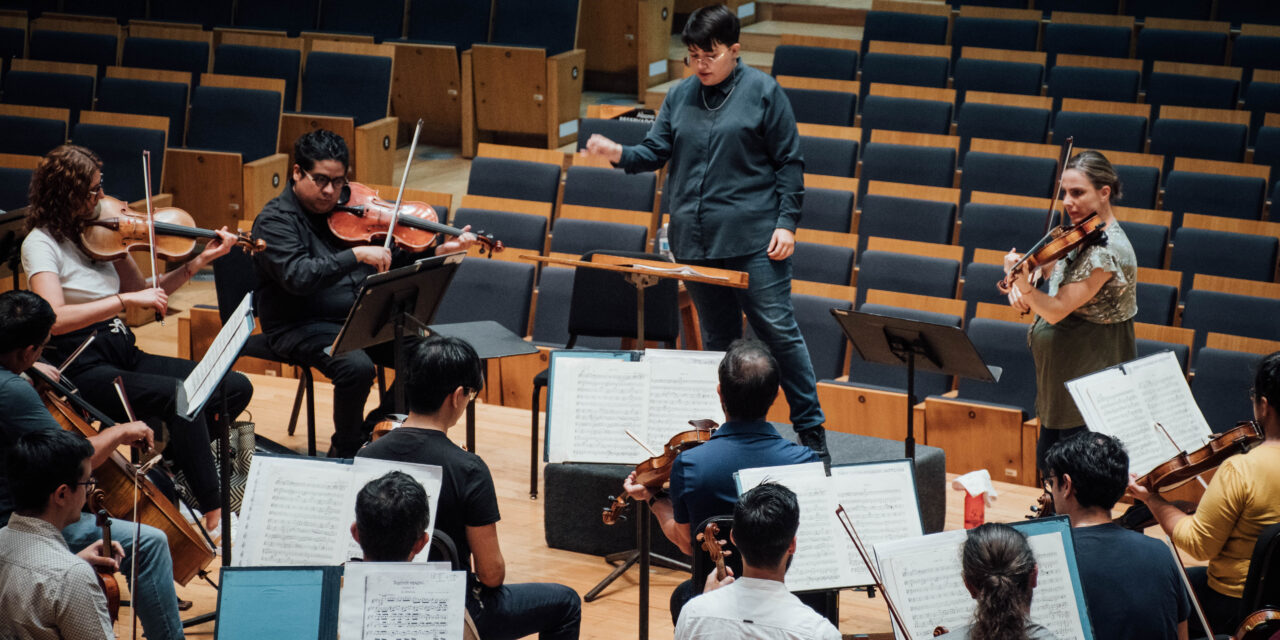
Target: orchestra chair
829, 156
1094, 78
1003, 117
15, 181
1097, 124
827, 210
1227, 189
1239, 12
152, 92
990, 425
904, 108
528, 84
1256, 49
208, 14
1179, 9
979, 284
919, 65
291, 16
603, 305
31, 131
624, 132
627, 44
897, 21
1141, 174
908, 212
507, 184
824, 256
229, 169
519, 232
998, 222
152, 46
995, 28
1266, 152
1224, 369
1212, 307
1157, 295
998, 71
610, 189
1193, 85
382, 19
906, 266
572, 237
1180, 40
457, 22
1086, 34
815, 62
41, 83
427, 82
234, 277
119, 140
65, 39
262, 56
1007, 173
909, 158
825, 343
1199, 251
1262, 583
13, 37
1207, 134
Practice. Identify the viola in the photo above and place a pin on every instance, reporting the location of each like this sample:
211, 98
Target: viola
1057, 243
106, 578
654, 472
118, 230
116, 477
361, 217
1262, 624
711, 544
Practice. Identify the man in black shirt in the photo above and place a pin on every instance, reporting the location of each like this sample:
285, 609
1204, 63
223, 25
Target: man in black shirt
1131, 583
443, 375
308, 280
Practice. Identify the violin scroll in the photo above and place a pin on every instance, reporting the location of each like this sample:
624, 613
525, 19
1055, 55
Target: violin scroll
710, 540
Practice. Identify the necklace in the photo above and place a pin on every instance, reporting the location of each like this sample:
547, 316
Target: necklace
722, 103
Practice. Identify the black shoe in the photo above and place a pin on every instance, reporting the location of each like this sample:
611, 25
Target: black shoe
816, 438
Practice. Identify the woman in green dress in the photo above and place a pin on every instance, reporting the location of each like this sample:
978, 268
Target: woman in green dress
1085, 321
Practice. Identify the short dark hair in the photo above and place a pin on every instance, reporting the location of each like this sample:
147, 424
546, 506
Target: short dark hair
1097, 463
709, 25
436, 366
765, 520
1266, 382
391, 515
40, 462
319, 145
25, 320
748, 380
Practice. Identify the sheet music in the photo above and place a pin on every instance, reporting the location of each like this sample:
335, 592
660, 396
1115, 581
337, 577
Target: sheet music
363, 470
1128, 400
204, 379
880, 499
595, 401
682, 387
923, 576
378, 596
294, 513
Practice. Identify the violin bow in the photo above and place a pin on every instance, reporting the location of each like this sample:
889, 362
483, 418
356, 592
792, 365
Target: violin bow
1053, 205
843, 517
151, 224
76, 354
404, 179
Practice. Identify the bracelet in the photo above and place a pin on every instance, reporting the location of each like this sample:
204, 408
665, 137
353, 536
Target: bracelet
122, 307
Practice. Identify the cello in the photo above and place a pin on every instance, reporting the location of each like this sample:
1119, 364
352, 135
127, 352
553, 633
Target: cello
116, 479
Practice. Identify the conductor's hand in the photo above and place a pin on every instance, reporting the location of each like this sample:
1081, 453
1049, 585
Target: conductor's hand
782, 245
378, 257
634, 489
598, 145
712, 584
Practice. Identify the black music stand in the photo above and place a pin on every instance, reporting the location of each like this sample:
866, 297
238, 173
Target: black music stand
389, 301
490, 340
899, 341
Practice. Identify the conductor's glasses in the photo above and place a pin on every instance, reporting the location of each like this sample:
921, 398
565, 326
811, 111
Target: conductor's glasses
690, 61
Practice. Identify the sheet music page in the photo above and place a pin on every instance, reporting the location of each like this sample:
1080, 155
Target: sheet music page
1053, 603
422, 607
208, 373
1169, 400
592, 403
682, 387
881, 502
356, 575
363, 470
294, 513
814, 566
1117, 407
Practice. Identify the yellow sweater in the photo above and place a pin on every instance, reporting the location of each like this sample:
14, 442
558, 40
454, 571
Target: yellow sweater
1243, 499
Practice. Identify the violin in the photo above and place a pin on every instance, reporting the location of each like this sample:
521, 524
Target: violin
361, 216
711, 544
1184, 467
654, 472
393, 421
1262, 624
116, 478
118, 230
1057, 243
106, 578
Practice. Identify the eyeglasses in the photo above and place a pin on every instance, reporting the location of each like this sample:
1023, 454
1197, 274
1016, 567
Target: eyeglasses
701, 61
323, 181
97, 188
88, 484
1047, 480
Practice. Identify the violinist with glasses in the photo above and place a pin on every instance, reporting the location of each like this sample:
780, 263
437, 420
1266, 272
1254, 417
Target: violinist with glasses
88, 293
309, 279
1084, 323
1241, 500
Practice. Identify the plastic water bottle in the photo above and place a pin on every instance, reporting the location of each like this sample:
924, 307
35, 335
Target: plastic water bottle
662, 244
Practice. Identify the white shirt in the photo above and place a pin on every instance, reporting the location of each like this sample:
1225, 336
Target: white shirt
752, 608
47, 592
82, 278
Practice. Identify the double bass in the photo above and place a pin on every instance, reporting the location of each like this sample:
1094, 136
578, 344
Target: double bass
116, 477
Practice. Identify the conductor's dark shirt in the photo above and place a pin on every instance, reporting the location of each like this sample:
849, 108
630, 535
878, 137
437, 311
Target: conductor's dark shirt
307, 278
733, 160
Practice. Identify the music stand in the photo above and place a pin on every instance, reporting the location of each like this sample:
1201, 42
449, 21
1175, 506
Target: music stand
389, 301
899, 341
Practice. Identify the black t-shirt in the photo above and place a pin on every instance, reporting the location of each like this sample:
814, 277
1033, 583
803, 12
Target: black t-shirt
467, 497
1131, 585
